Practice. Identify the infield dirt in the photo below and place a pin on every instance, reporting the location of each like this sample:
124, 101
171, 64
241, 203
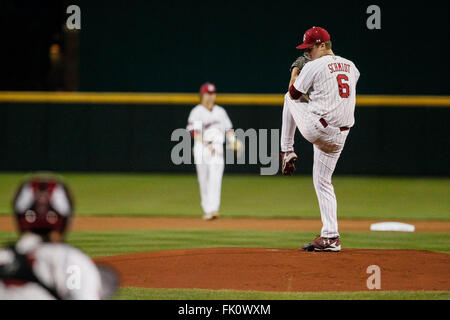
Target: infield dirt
282, 269
174, 223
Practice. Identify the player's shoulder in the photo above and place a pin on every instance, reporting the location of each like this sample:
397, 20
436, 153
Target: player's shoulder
60, 250
345, 60
314, 65
45, 252
6, 256
60, 256
354, 68
219, 108
197, 108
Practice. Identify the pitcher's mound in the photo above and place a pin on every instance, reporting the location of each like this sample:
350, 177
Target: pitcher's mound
282, 269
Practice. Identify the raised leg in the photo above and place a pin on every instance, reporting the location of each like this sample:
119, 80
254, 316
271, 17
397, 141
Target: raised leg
288, 127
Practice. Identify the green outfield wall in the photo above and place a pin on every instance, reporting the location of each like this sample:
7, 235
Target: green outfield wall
137, 138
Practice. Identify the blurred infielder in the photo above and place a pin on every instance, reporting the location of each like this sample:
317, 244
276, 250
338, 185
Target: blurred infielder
209, 124
40, 265
329, 83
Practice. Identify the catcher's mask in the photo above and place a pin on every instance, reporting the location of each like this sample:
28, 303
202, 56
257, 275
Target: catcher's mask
42, 204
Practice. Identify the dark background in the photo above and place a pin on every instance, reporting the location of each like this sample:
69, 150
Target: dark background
248, 46
243, 47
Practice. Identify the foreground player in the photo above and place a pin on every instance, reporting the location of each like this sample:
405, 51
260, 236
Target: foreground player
325, 121
40, 265
209, 124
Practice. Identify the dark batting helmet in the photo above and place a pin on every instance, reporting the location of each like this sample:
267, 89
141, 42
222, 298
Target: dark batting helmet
42, 204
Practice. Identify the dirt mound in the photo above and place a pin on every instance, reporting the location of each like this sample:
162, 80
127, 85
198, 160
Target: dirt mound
282, 269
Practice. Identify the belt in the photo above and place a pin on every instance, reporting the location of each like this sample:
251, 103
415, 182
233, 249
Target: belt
325, 124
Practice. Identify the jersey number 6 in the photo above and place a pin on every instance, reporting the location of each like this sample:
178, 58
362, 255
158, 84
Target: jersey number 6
344, 89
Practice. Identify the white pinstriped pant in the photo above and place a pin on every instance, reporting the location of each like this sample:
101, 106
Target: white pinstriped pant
209, 173
328, 144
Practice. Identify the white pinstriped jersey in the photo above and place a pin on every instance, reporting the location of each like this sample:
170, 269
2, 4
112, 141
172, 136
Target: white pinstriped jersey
213, 124
330, 81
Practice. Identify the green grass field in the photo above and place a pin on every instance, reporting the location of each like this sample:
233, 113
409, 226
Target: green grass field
265, 196
249, 196
201, 294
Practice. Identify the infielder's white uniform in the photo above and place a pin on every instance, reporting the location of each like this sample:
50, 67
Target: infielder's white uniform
59, 266
210, 165
330, 82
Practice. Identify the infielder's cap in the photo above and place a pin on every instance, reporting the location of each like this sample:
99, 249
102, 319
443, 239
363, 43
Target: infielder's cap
313, 36
207, 88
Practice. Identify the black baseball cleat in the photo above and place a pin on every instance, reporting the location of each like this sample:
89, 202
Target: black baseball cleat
287, 162
323, 244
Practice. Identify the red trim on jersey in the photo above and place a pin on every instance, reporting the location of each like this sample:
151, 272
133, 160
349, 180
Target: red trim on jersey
323, 122
14, 282
193, 132
295, 94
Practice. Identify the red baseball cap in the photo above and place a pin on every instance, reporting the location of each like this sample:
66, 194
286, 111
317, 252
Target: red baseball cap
207, 88
313, 36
